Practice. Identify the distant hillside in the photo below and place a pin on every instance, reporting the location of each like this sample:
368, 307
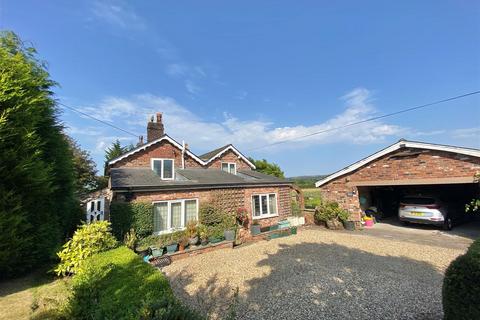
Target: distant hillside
306, 181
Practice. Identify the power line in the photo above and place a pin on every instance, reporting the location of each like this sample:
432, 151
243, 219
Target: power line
96, 119
368, 120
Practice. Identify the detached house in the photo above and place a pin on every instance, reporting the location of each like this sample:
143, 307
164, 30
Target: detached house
177, 182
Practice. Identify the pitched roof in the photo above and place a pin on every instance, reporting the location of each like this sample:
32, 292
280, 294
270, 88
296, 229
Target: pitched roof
145, 178
402, 143
212, 155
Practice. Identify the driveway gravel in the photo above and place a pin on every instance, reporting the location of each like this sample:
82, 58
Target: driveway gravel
318, 274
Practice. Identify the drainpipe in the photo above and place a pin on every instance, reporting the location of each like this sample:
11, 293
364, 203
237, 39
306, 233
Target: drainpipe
183, 154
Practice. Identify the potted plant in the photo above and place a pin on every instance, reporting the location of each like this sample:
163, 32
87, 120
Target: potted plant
343, 215
255, 228
229, 235
242, 216
192, 232
328, 212
229, 224
183, 243
203, 232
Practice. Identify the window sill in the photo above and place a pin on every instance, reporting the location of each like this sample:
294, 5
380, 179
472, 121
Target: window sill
159, 233
265, 216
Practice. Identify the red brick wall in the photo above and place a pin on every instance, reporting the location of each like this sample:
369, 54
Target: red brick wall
163, 149
229, 199
426, 165
229, 156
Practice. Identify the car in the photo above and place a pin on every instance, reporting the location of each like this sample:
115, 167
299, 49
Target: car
425, 210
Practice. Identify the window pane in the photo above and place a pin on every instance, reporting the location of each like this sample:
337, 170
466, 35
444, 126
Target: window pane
256, 206
160, 215
98, 205
157, 167
225, 167
176, 212
232, 168
272, 203
167, 169
190, 210
264, 205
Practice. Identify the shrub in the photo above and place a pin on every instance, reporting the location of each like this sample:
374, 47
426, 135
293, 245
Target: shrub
136, 215
130, 239
296, 210
87, 240
330, 210
211, 215
117, 284
461, 286
160, 241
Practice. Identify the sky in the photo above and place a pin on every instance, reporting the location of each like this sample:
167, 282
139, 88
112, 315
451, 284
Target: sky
255, 73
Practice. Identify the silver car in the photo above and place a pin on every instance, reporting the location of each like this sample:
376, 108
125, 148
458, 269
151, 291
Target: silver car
424, 210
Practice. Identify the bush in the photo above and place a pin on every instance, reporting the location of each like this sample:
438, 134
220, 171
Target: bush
117, 284
160, 241
210, 215
136, 215
330, 210
87, 240
461, 286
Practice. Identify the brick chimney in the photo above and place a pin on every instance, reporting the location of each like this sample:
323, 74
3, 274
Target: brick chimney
155, 130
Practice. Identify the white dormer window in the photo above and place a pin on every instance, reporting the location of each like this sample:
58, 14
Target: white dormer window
229, 167
164, 168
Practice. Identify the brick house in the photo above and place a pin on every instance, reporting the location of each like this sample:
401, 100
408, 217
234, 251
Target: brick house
382, 178
177, 182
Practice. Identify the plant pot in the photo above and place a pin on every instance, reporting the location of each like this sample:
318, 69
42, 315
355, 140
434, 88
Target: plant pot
172, 248
349, 225
193, 241
368, 223
216, 240
255, 229
182, 246
157, 252
293, 230
284, 224
229, 235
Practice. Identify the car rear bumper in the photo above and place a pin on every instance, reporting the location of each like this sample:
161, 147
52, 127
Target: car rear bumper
422, 221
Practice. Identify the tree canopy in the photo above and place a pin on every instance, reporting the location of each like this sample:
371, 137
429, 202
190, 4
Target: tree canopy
266, 167
37, 190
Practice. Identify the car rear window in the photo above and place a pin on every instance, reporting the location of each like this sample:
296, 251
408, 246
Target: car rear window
414, 200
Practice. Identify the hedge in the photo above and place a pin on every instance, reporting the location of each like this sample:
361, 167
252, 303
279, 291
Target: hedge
136, 215
117, 284
461, 286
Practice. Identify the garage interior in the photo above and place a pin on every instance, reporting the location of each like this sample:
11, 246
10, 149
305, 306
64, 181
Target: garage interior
387, 198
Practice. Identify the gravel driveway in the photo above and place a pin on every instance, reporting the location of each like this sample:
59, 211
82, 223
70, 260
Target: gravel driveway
318, 274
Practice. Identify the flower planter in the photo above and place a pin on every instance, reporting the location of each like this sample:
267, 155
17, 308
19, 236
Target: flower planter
296, 221
193, 241
284, 224
274, 227
349, 225
216, 240
255, 229
229, 235
157, 252
293, 230
368, 223
172, 248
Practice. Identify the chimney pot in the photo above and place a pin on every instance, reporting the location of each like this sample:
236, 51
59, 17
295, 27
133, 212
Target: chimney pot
159, 117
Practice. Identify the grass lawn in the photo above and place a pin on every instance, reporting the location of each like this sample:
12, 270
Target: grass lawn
35, 296
312, 197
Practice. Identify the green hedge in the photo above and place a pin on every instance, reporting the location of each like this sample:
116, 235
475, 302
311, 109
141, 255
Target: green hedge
117, 284
461, 286
136, 215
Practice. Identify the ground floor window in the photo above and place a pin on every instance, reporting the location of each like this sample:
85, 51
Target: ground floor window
264, 205
173, 215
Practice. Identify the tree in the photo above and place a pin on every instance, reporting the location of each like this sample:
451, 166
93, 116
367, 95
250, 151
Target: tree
86, 179
266, 167
37, 202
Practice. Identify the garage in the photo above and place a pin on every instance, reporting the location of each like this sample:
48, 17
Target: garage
443, 178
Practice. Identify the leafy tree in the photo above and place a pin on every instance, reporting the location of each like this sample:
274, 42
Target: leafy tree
37, 202
115, 150
266, 167
86, 179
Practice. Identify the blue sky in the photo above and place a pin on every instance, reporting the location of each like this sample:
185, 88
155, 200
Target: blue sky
252, 73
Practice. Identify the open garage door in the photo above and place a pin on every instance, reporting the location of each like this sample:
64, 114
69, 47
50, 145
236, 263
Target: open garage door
387, 198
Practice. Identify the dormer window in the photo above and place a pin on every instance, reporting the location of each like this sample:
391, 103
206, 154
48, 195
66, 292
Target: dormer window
164, 168
229, 167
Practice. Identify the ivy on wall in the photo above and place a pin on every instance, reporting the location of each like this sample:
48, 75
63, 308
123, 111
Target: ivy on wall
136, 215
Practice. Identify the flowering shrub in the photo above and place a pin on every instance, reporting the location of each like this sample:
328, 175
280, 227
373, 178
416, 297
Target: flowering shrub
242, 216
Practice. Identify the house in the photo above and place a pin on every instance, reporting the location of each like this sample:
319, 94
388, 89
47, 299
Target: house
178, 182
403, 168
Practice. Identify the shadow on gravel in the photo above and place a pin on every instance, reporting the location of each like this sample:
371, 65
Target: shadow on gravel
327, 281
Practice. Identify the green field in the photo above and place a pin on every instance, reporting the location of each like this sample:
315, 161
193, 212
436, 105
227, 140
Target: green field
312, 197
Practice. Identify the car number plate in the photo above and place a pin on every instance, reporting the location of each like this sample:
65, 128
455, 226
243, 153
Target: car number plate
418, 214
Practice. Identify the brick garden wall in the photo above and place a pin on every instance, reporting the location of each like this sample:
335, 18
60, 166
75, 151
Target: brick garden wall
427, 164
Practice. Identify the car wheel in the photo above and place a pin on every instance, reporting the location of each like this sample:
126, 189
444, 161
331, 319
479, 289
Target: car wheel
448, 224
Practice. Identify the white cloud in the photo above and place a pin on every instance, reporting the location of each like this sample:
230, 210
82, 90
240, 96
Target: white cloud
132, 114
118, 14
192, 87
467, 133
176, 69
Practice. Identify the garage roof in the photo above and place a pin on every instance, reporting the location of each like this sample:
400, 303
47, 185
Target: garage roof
396, 146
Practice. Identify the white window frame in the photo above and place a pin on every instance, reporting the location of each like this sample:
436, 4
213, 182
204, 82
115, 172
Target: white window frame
152, 160
229, 164
169, 216
262, 215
